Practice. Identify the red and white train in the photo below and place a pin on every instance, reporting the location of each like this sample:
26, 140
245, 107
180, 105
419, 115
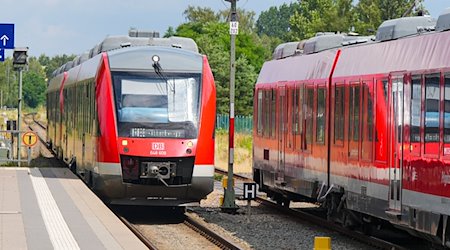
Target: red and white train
361, 125
134, 117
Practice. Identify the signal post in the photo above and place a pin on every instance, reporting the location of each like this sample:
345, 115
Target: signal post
229, 204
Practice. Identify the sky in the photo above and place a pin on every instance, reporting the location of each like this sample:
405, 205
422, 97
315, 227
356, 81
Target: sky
55, 27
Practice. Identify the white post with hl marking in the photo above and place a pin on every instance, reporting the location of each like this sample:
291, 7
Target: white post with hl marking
249, 195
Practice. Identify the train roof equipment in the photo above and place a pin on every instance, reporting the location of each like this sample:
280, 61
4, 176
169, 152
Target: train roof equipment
404, 26
325, 41
443, 22
288, 49
133, 32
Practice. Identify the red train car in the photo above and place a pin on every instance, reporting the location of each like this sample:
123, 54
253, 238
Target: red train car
361, 125
134, 118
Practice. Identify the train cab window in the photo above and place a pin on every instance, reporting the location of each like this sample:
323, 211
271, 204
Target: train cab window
150, 106
320, 116
447, 114
416, 97
432, 97
309, 116
339, 97
273, 113
259, 112
367, 121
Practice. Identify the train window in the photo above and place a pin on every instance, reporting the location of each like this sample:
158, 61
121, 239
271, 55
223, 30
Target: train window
273, 113
447, 111
295, 127
320, 116
309, 114
367, 120
432, 97
354, 112
299, 117
266, 112
353, 127
339, 97
416, 97
259, 111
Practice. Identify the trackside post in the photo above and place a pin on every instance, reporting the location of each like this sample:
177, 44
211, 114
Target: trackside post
229, 204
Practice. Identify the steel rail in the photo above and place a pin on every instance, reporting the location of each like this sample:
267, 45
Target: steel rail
138, 234
209, 234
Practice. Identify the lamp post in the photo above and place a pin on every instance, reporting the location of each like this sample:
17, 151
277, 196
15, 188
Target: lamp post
20, 60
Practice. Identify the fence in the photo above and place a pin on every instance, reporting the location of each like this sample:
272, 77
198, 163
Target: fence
242, 124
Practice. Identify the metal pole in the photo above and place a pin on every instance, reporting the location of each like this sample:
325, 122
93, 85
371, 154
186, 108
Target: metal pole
229, 204
18, 116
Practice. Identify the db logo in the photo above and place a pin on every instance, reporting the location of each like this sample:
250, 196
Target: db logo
158, 146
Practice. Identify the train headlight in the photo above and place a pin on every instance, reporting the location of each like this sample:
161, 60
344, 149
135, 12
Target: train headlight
124, 143
155, 58
190, 144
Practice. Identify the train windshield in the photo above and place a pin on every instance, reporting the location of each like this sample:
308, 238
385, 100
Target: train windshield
149, 105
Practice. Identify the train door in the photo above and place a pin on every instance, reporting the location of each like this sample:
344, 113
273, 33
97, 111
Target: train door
281, 134
396, 144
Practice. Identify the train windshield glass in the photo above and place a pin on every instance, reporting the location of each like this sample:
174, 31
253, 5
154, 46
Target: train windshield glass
149, 105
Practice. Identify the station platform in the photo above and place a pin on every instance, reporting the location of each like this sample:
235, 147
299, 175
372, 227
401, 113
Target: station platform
50, 208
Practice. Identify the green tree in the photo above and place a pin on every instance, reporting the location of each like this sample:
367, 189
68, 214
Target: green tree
34, 87
321, 16
371, 13
275, 21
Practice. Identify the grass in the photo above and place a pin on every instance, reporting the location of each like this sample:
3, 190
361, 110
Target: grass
242, 152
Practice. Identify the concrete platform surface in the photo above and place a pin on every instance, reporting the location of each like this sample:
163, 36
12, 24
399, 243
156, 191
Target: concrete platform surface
50, 208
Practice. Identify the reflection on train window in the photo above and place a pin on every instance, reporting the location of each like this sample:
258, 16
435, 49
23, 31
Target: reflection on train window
320, 118
432, 95
367, 121
339, 115
273, 113
382, 112
259, 111
416, 96
150, 106
309, 114
447, 110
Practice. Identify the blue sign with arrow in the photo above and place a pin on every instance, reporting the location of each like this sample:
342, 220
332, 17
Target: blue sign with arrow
6, 36
2, 55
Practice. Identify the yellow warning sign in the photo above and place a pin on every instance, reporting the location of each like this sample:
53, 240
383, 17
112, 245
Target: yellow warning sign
29, 138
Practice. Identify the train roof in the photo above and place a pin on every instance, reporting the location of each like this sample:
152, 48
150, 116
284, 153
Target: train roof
410, 48
133, 39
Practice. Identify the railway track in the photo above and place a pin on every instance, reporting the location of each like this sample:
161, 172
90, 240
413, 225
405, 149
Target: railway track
161, 228
312, 217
